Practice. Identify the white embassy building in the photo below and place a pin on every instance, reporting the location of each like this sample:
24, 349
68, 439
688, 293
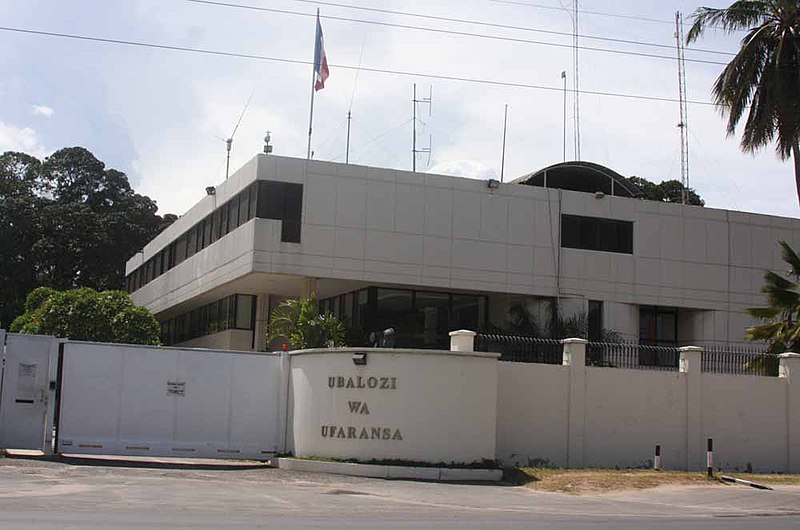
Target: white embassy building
427, 254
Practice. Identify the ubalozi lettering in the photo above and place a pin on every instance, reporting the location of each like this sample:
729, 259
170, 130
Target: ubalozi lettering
379, 383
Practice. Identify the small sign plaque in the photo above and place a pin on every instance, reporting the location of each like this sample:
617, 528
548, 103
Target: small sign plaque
176, 388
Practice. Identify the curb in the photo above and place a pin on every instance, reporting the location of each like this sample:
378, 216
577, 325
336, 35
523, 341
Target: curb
726, 478
392, 472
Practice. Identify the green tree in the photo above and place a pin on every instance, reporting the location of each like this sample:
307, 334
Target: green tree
67, 222
301, 324
780, 320
667, 191
86, 314
763, 79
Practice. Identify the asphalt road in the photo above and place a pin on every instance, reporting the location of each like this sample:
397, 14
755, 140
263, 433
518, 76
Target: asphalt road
83, 494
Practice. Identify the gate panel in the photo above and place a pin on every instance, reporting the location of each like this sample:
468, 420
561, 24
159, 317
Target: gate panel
139, 400
26, 395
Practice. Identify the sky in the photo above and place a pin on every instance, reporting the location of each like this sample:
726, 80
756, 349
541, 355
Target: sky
162, 115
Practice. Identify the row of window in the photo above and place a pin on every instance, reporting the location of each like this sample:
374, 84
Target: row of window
421, 319
595, 233
282, 201
237, 311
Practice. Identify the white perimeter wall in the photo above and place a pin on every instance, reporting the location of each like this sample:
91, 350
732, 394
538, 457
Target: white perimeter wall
586, 416
115, 399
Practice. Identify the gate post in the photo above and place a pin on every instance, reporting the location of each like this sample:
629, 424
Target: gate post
690, 365
789, 370
574, 357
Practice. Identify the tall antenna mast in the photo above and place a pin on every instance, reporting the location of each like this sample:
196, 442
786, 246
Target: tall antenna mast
425, 101
503, 155
683, 123
575, 82
347, 149
229, 140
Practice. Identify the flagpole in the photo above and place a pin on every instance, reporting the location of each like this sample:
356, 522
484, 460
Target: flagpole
313, 90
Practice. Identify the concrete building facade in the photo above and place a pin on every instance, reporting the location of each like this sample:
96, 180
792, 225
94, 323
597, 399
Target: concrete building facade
428, 253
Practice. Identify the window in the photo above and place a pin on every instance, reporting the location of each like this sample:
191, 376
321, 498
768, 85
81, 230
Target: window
216, 223
282, 201
658, 326
421, 319
594, 233
595, 321
235, 311
233, 214
207, 225
180, 249
191, 242
245, 311
244, 201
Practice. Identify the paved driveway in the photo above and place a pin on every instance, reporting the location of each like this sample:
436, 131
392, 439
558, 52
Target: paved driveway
83, 493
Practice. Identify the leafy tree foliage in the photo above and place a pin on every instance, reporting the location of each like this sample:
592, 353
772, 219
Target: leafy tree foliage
300, 322
667, 191
86, 314
763, 79
67, 222
780, 327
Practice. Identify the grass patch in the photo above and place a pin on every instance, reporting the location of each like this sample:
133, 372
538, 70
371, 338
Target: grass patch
771, 478
578, 481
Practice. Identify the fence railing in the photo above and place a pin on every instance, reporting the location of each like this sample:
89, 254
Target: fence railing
521, 349
733, 360
718, 359
632, 356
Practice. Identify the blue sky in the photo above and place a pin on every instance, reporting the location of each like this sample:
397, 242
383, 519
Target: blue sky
157, 114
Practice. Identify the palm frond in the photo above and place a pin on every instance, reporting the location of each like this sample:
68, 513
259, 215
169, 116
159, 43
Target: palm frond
740, 15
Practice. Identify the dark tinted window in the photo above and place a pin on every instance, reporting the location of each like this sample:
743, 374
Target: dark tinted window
191, 242
233, 214
595, 233
244, 203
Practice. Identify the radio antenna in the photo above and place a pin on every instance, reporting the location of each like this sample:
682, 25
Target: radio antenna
425, 101
229, 140
683, 123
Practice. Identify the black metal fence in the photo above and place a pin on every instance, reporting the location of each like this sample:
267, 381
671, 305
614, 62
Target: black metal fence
632, 356
717, 359
735, 360
521, 349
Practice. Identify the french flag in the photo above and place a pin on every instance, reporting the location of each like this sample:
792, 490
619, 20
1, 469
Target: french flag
321, 71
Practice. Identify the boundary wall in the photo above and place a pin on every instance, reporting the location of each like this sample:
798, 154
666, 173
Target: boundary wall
578, 416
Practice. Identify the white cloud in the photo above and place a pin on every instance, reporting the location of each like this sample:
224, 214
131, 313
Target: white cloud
465, 168
42, 110
23, 139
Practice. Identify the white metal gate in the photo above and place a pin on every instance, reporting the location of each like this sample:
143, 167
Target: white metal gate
27, 385
141, 400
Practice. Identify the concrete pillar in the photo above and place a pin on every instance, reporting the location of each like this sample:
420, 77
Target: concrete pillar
462, 340
789, 370
690, 366
574, 356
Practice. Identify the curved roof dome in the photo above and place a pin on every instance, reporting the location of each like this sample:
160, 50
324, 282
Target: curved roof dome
581, 176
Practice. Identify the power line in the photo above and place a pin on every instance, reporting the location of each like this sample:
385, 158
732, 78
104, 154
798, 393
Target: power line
219, 53
451, 32
583, 11
502, 26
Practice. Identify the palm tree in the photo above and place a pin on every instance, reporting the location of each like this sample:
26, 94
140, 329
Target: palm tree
781, 319
763, 79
